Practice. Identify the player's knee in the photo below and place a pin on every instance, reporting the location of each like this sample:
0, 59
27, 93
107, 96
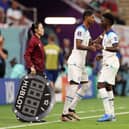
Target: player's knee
73, 82
103, 93
84, 87
108, 87
101, 85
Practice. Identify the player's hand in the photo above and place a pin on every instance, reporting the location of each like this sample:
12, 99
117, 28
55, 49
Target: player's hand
33, 70
98, 46
97, 41
99, 57
92, 48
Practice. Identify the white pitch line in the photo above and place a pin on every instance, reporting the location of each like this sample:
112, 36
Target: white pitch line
89, 117
57, 121
83, 112
79, 112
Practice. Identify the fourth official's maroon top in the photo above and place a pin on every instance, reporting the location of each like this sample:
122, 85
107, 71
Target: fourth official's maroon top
34, 54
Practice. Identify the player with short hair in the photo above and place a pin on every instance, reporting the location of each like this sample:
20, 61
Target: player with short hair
76, 67
110, 66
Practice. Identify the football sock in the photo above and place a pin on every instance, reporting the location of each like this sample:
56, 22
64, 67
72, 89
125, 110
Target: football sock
111, 102
70, 93
80, 94
104, 96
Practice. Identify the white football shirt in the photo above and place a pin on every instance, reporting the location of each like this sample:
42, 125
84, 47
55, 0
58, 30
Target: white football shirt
78, 57
109, 39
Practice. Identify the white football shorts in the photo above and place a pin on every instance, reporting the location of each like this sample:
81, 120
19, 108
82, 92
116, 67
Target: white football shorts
77, 74
109, 71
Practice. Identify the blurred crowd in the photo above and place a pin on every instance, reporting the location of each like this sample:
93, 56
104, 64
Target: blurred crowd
102, 6
11, 14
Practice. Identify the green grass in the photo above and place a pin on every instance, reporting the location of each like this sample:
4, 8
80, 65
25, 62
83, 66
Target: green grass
89, 111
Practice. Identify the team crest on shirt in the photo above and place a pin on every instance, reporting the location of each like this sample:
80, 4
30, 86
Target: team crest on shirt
79, 33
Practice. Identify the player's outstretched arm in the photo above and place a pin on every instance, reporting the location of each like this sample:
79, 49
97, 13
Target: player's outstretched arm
80, 46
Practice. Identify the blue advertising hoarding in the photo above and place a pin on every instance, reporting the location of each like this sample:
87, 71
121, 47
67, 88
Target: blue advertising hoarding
8, 90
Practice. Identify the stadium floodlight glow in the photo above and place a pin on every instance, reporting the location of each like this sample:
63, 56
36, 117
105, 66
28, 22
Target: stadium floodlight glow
60, 20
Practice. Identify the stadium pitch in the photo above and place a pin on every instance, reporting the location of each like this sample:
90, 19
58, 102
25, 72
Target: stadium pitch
89, 110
